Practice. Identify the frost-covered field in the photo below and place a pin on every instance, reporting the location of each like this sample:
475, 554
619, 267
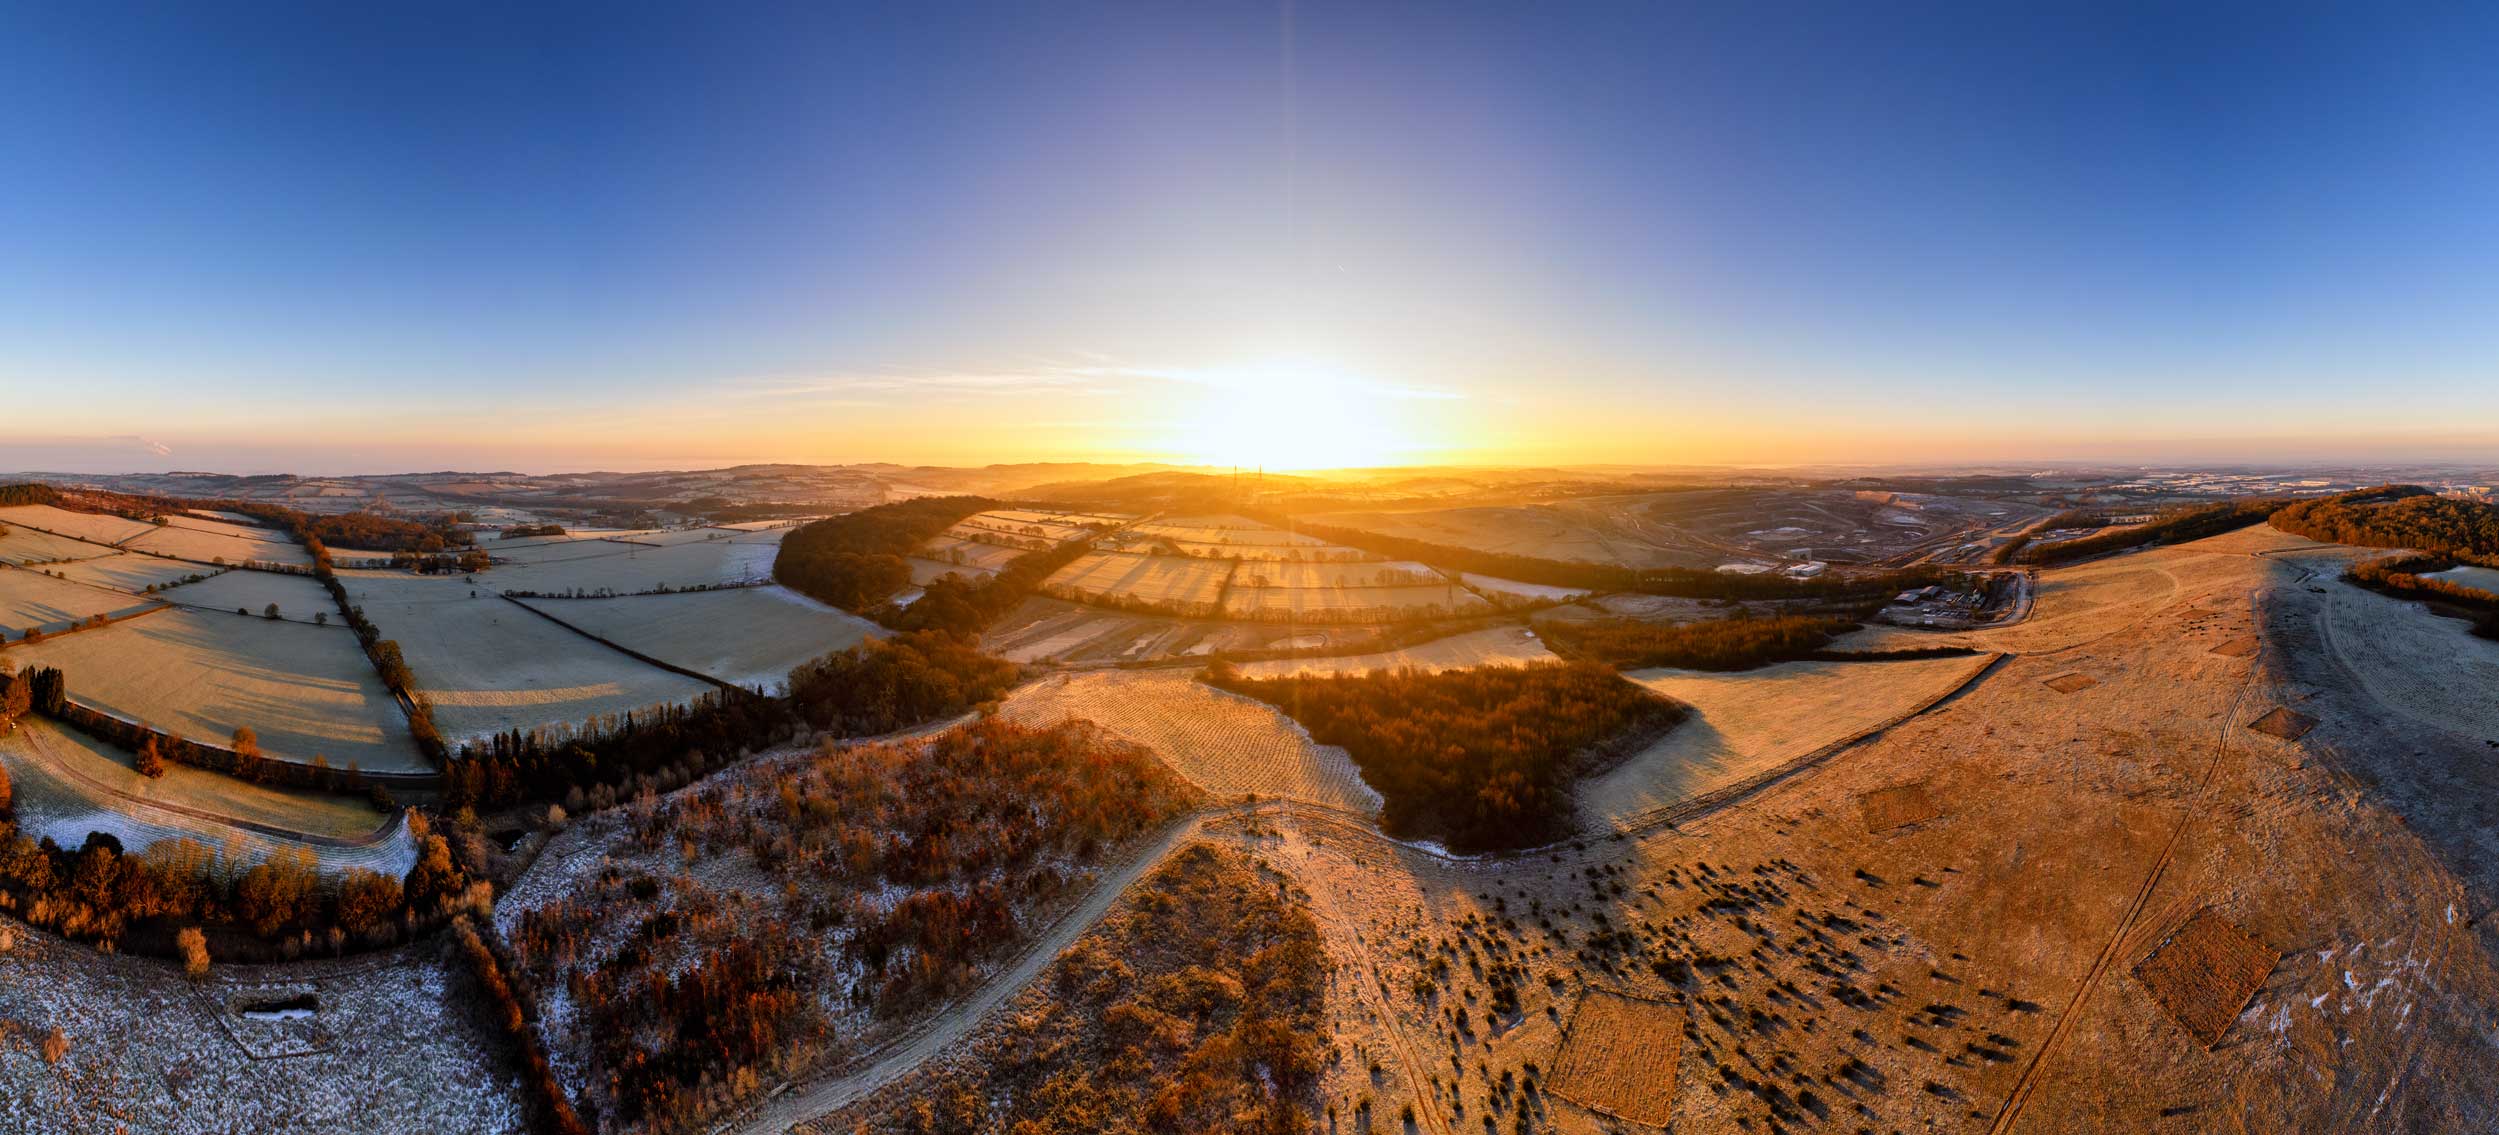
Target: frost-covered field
387, 1048
298, 597
69, 784
307, 691
203, 541
750, 636
623, 568
1224, 743
489, 665
31, 599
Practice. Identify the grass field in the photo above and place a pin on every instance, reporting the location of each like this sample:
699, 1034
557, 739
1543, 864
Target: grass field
307, 691
98, 527
1386, 573
68, 784
628, 568
1492, 646
231, 544
31, 599
1166, 581
1226, 744
1750, 722
19, 545
299, 597
1351, 603
968, 553
925, 572
751, 636
489, 666
129, 571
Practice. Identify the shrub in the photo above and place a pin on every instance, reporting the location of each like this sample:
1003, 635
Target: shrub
193, 946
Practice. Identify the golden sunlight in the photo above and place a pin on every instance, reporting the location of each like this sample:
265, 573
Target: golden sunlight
1291, 415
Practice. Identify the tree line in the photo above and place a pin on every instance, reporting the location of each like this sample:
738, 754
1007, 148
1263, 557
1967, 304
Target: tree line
855, 561
1719, 644
877, 686
2400, 516
1685, 583
2175, 526
1481, 759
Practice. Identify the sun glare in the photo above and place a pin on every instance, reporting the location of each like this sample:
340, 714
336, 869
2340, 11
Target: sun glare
1292, 416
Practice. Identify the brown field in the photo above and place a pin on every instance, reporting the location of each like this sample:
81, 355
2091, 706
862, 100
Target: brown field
1228, 745
1370, 574
747, 636
2239, 647
1618, 1057
1176, 582
30, 599
2071, 683
2284, 722
1043, 629
307, 691
1898, 807
968, 553
1492, 646
98, 527
1271, 553
489, 665
1353, 604
2204, 973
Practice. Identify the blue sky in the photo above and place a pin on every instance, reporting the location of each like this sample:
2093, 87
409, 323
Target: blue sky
342, 238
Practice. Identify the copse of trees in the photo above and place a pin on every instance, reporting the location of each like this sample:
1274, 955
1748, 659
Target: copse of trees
29, 492
855, 561
1481, 759
278, 908
966, 606
2400, 516
878, 686
2175, 526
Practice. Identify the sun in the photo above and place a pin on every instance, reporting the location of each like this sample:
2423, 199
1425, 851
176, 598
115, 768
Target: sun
1292, 415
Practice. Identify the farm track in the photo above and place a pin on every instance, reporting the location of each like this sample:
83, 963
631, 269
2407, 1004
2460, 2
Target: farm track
2010, 1113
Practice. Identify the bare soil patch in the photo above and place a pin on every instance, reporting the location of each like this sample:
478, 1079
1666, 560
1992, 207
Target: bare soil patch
1898, 806
2284, 722
2239, 647
2071, 683
1619, 1057
2205, 972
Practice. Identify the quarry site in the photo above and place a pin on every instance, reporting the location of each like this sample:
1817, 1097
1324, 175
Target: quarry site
2191, 834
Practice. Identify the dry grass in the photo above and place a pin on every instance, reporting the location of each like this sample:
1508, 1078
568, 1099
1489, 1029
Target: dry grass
1492, 646
2204, 973
1175, 581
1898, 806
2240, 647
1228, 745
1619, 1057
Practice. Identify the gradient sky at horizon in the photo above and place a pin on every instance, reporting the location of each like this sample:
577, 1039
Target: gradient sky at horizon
353, 238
